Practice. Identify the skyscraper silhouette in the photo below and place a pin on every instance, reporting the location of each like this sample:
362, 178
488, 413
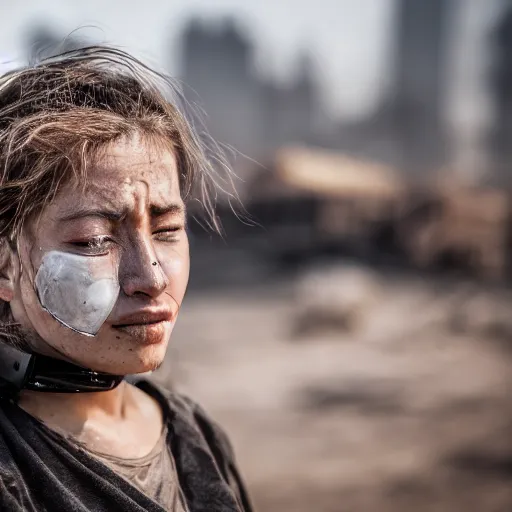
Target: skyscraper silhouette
216, 68
501, 89
254, 115
419, 69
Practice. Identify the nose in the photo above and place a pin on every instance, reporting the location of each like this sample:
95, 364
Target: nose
140, 272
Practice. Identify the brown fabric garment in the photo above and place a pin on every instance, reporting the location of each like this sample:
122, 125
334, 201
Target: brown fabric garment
155, 474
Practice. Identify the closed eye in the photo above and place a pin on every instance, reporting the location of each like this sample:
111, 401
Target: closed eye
172, 229
169, 234
94, 245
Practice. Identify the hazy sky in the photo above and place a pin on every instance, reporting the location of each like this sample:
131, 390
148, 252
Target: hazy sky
349, 39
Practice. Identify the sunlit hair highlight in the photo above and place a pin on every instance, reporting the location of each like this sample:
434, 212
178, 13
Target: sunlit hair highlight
56, 115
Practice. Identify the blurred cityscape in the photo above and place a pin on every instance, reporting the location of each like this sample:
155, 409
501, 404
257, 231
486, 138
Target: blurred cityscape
409, 128
352, 327
400, 184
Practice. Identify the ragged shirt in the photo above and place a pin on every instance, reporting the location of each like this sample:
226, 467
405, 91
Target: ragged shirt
154, 474
42, 471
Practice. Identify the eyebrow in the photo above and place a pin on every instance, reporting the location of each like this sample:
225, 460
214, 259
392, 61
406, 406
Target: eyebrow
116, 216
172, 209
79, 213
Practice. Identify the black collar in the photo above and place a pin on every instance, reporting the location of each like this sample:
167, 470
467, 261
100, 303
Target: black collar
20, 370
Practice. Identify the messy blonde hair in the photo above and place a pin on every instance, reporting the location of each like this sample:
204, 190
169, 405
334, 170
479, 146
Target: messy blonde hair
57, 115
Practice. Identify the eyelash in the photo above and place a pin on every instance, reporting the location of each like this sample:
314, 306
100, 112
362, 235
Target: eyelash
101, 244
95, 245
169, 234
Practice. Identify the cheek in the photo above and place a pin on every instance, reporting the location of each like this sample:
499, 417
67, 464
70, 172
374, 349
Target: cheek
26, 308
46, 330
176, 266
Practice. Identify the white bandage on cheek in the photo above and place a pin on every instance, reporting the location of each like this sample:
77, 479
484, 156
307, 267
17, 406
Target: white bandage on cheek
78, 291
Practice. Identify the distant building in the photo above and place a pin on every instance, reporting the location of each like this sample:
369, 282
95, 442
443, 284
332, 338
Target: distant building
292, 109
408, 129
501, 88
216, 69
243, 110
417, 101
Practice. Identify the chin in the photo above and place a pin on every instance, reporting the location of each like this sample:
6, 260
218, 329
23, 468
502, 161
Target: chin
149, 359
125, 360
142, 360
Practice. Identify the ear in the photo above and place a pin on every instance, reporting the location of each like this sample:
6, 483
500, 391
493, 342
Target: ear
7, 271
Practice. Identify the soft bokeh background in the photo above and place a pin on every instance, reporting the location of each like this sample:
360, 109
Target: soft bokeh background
353, 333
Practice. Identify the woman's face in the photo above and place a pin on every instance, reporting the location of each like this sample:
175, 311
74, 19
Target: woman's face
118, 243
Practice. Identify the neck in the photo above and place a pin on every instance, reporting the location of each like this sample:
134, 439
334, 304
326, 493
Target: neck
70, 411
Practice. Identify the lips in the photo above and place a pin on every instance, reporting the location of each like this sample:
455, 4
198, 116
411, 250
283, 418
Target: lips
144, 317
148, 327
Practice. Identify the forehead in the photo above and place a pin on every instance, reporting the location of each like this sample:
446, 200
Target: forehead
133, 168
132, 178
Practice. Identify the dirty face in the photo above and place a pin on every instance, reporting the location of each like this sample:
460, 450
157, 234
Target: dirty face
103, 271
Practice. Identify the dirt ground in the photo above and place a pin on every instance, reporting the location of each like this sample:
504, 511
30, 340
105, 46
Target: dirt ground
400, 413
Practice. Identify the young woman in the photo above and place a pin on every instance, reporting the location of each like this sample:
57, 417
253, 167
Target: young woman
97, 166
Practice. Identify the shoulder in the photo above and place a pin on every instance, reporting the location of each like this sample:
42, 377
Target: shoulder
215, 435
10, 438
185, 410
12, 450
194, 426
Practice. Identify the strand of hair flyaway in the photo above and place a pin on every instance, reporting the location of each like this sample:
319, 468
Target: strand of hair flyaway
175, 301
217, 175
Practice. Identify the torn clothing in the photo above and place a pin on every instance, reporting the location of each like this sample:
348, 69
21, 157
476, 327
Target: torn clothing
40, 470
